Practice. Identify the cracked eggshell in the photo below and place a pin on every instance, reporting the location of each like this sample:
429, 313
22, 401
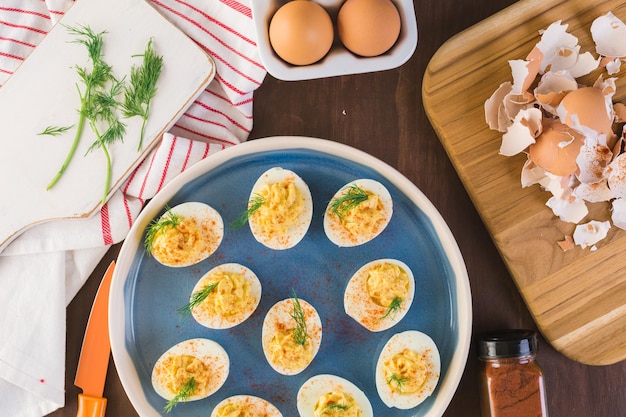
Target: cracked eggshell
522, 133
557, 148
586, 110
552, 88
594, 192
592, 162
589, 234
617, 176
570, 209
618, 215
608, 32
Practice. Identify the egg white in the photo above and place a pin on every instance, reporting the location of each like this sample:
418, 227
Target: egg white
297, 231
319, 385
203, 214
211, 353
221, 322
279, 316
257, 406
359, 306
420, 343
333, 228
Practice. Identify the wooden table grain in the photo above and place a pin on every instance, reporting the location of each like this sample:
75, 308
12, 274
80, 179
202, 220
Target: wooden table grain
382, 114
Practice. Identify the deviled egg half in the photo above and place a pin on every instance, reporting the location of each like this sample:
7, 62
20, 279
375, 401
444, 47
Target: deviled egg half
380, 294
407, 370
291, 335
190, 370
185, 234
280, 209
331, 395
357, 213
245, 405
224, 297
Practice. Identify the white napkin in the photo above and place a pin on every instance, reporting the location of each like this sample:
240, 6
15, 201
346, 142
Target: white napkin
42, 270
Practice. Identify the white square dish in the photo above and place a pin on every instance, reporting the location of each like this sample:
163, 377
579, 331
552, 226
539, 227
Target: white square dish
338, 61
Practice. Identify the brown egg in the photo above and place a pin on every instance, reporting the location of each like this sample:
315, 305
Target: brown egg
368, 27
557, 148
301, 32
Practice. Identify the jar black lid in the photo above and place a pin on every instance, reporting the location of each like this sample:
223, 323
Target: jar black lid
507, 344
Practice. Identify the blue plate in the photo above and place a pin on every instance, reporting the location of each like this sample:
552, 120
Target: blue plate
145, 294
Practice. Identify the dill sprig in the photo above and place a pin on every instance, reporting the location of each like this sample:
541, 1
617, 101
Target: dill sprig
186, 391
393, 308
169, 220
351, 198
197, 298
55, 130
398, 380
254, 204
331, 408
101, 113
299, 332
93, 80
142, 88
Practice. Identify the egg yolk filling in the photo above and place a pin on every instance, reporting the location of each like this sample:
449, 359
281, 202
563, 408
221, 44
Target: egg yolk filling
406, 372
283, 203
365, 218
178, 369
387, 284
235, 410
229, 298
285, 352
338, 404
175, 245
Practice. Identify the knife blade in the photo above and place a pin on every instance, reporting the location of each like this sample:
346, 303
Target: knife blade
95, 353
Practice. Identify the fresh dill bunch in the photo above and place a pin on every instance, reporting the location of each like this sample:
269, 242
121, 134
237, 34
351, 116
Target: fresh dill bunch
332, 407
142, 88
398, 380
342, 204
299, 332
253, 205
169, 220
55, 130
186, 391
393, 308
197, 298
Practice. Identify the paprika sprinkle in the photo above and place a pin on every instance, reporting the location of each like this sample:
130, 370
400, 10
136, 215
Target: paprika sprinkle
512, 382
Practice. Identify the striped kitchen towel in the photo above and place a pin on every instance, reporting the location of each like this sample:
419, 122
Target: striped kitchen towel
41, 271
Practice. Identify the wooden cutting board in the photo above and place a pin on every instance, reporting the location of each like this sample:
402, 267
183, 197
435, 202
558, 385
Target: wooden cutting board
43, 92
577, 297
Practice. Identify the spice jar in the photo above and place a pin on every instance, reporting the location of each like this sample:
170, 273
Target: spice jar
511, 381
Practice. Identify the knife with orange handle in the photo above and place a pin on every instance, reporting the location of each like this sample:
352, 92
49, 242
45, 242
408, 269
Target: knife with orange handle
94, 356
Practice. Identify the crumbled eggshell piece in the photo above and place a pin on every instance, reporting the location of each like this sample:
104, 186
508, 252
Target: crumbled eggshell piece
589, 234
565, 126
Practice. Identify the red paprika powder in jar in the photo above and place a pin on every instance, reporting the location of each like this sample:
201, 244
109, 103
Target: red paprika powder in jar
511, 381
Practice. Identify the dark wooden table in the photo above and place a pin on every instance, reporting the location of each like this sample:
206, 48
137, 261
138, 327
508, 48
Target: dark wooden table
382, 114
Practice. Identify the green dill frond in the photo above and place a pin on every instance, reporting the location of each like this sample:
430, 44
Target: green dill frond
351, 198
196, 299
393, 308
142, 88
86, 36
169, 220
253, 205
55, 130
299, 332
331, 408
395, 379
183, 394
